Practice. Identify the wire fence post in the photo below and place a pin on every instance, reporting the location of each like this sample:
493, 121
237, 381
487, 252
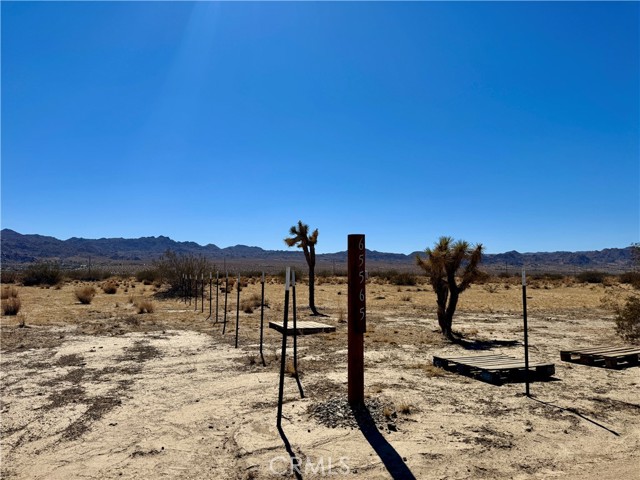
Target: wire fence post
264, 364
237, 310
283, 353
526, 332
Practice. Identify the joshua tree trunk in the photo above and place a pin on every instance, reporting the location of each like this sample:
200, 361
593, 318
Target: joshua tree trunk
302, 239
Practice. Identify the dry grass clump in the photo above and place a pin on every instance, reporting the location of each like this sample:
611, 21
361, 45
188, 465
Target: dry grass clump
85, 294
9, 292
110, 287
144, 305
628, 319
248, 305
11, 305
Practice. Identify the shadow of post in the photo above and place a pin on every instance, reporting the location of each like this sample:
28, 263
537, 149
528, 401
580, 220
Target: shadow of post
390, 458
295, 461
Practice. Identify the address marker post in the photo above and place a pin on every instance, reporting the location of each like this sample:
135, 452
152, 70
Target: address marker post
357, 317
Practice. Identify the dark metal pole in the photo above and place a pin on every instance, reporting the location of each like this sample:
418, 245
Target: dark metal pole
283, 354
226, 294
195, 294
356, 318
526, 332
189, 287
210, 294
264, 364
237, 310
295, 334
217, 293
202, 299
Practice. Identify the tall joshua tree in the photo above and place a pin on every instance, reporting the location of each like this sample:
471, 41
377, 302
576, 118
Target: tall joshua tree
441, 266
300, 238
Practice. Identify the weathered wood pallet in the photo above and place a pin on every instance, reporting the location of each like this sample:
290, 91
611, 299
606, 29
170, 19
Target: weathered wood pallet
305, 327
604, 356
495, 368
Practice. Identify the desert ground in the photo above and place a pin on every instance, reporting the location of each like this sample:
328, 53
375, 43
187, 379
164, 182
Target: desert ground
100, 391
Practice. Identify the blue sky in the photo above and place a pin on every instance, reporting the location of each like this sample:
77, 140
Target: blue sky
511, 124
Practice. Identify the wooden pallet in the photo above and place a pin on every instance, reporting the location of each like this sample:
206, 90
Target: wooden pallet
495, 368
603, 356
305, 327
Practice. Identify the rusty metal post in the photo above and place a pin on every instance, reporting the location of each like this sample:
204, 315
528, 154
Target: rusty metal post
356, 318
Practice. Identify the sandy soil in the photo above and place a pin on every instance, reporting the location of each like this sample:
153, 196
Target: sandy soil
98, 391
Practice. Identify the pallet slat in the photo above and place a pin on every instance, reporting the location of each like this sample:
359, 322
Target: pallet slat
494, 368
303, 327
609, 356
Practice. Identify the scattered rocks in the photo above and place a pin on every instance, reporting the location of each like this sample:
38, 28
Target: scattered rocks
337, 413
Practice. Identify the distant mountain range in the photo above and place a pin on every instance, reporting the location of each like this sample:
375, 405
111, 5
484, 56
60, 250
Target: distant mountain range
18, 250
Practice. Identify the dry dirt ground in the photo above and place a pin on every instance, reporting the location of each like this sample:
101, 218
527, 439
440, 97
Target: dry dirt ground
99, 391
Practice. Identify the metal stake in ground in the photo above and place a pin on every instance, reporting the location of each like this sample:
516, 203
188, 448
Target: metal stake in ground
217, 292
189, 288
237, 309
264, 364
295, 333
210, 293
202, 290
526, 333
356, 318
283, 353
195, 294
226, 294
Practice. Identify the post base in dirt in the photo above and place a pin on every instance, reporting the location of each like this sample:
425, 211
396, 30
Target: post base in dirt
356, 318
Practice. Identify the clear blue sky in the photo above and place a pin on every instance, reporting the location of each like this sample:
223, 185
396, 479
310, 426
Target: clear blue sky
515, 125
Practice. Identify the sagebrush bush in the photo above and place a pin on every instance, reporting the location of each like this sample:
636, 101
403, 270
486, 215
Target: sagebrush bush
148, 275
11, 306
591, 277
42, 273
144, 306
8, 276
109, 287
9, 292
628, 319
85, 294
632, 278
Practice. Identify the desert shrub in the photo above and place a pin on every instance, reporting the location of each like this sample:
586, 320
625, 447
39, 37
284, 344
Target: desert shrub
148, 275
11, 306
248, 305
85, 294
632, 278
9, 292
42, 273
591, 277
628, 319
88, 275
173, 268
300, 274
144, 305
405, 278
109, 287
9, 276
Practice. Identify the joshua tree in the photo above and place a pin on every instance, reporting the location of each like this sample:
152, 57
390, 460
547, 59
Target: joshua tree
441, 265
301, 239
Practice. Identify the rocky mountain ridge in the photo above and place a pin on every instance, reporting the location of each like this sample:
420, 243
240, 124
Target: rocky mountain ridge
18, 250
